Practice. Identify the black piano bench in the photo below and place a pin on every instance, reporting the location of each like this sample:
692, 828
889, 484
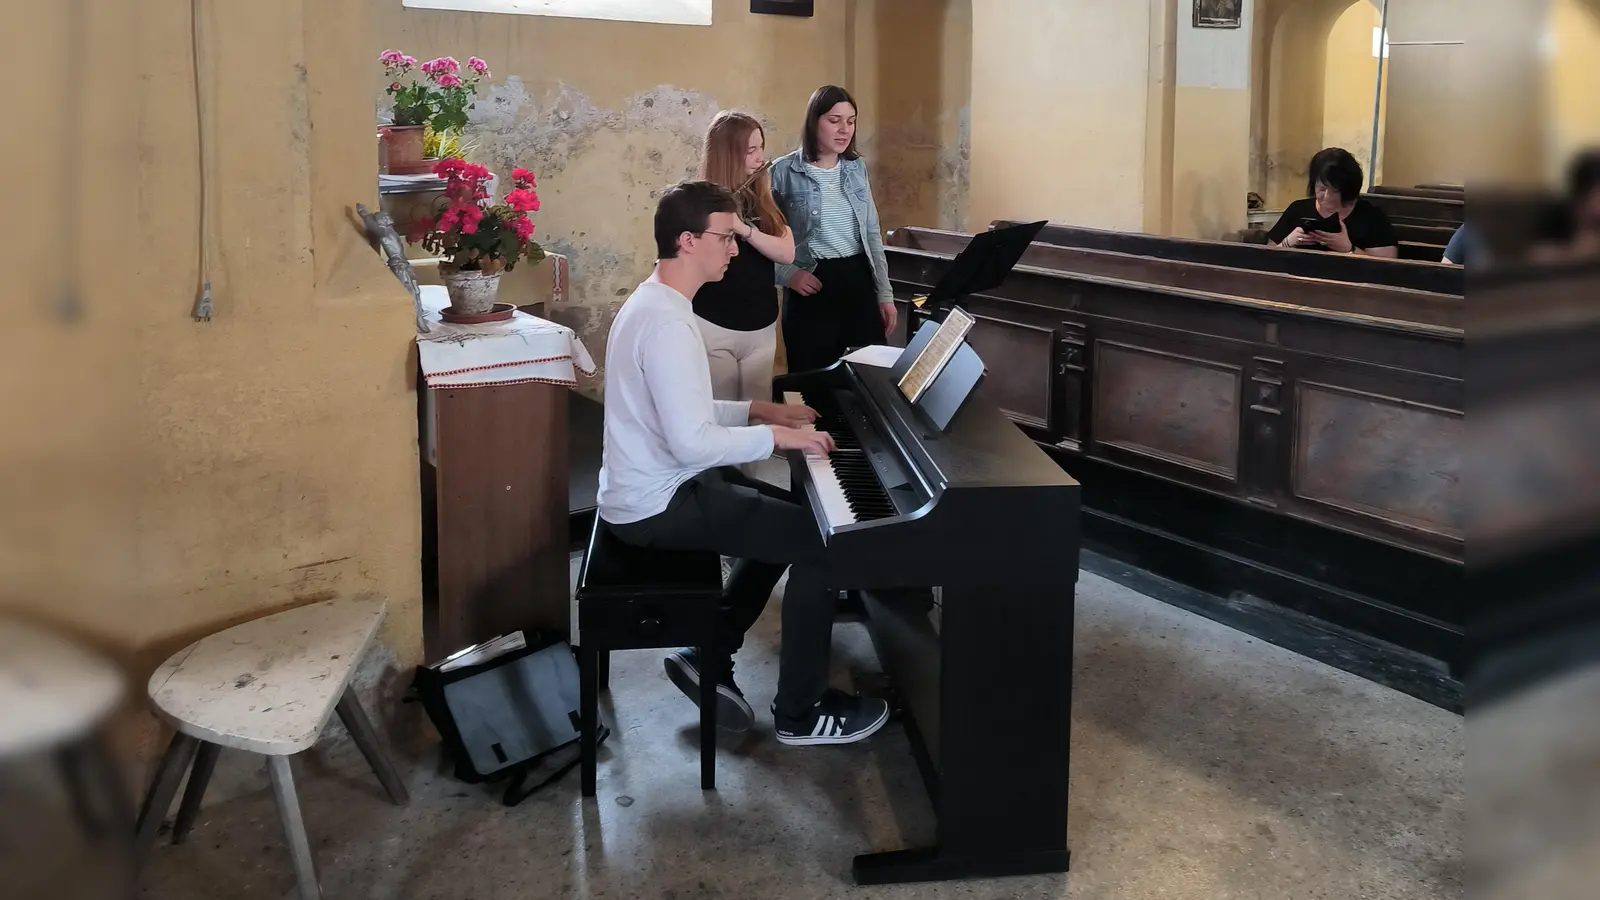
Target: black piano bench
632, 598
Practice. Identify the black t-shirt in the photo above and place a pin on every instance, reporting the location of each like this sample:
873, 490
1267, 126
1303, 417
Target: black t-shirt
746, 299
1367, 225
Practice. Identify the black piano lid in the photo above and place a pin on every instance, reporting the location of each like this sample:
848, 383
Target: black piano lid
982, 449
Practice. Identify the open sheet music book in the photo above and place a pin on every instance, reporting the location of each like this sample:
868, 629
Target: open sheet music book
931, 361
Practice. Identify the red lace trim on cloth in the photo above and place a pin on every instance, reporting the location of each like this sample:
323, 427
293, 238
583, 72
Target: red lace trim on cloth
522, 362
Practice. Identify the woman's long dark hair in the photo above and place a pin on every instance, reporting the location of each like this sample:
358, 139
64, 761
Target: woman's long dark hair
823, 99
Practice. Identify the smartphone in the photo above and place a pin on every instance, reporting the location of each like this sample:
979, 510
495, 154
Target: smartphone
1329, 225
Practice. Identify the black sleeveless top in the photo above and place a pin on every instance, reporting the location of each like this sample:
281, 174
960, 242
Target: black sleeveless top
746, 299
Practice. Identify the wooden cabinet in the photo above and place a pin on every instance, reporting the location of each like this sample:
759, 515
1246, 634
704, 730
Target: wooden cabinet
494, 512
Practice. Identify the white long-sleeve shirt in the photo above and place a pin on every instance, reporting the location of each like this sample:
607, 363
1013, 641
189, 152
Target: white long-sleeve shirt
662, 426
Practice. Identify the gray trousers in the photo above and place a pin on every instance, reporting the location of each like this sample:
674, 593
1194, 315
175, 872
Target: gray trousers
766, 531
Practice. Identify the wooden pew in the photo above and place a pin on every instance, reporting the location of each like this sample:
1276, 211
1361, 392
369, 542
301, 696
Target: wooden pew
1425, 234
1435, 193
1378, 301
1243, 433
1422, 276
1458, 188
1421, 252
1534, 602
1423, 210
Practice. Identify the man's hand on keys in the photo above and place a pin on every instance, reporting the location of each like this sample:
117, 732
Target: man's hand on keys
788, 415
811, 441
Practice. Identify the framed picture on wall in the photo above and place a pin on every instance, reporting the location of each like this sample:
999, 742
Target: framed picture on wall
1218, 13
782, 7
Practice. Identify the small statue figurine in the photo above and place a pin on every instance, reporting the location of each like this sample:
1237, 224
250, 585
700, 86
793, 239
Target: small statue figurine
381, 233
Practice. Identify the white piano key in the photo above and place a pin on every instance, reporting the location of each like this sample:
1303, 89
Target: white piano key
835, 507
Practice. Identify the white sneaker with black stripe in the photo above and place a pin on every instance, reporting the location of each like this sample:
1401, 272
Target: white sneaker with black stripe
838, 718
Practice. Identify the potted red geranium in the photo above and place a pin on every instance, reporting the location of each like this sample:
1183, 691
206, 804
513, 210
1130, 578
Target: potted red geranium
479, 240
433, 96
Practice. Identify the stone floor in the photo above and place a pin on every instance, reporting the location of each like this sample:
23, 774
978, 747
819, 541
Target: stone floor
1205, 764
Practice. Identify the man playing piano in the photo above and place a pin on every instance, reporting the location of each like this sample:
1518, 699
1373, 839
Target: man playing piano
668, 478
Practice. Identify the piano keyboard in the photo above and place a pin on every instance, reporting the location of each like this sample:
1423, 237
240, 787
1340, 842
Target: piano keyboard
847, 486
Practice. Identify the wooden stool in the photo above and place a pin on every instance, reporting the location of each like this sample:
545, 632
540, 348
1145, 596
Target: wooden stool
631, 598
267, 686
57, 694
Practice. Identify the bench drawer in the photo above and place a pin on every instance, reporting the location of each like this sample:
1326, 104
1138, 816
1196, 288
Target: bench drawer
641, 623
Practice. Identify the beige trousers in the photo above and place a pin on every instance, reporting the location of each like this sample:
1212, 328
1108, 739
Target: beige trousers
741, 361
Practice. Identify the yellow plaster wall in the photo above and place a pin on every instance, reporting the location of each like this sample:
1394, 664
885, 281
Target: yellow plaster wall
1429, 90
1161, 102
1211, 178
1574, 80
1060, 93
911, 70
1211, 128
608, 113
1351, 76
1297, 69
162, 478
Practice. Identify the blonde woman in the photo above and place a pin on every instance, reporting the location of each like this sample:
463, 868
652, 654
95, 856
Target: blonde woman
739, 314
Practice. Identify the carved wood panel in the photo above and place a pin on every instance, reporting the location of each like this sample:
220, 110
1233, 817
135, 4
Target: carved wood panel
1167, 406
1072, 383
1017, 367
1381, 457
1266, 431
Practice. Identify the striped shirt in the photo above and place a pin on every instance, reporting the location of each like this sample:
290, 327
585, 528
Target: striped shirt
836, 235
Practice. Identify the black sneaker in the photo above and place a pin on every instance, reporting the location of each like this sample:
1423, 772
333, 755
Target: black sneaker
838, 718
733, 711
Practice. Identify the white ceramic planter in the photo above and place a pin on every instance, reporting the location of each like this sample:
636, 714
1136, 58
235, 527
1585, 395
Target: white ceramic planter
471, 292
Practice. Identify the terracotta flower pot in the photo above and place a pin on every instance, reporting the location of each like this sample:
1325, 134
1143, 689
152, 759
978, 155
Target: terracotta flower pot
471, 292
404, 145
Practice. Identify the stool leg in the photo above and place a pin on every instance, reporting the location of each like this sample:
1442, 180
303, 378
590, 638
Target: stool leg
710, 675
588, 714
205, 762
294, 827
360, 727
603, 662
72, 761
165, 786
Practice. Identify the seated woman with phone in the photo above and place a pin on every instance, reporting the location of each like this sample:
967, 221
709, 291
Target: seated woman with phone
1335, 217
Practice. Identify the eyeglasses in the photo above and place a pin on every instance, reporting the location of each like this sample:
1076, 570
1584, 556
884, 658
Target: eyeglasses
727, 236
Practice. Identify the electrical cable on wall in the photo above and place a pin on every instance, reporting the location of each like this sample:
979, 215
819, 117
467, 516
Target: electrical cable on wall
69, 294
202, 303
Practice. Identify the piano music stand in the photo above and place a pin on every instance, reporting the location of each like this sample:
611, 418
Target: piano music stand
984, 264
950, 388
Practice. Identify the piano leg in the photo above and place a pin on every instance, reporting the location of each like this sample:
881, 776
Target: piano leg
1001, 745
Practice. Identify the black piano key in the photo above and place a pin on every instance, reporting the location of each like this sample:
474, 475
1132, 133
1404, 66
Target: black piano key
863, 492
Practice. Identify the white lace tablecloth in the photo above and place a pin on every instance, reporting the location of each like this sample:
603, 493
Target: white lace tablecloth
521, 350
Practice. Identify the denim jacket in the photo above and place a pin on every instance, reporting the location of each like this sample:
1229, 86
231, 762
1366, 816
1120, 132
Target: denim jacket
800, 198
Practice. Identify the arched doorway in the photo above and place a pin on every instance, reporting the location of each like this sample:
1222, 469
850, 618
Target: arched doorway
1316, 66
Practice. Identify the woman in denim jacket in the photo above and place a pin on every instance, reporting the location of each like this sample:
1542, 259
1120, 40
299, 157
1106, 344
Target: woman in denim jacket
837, 290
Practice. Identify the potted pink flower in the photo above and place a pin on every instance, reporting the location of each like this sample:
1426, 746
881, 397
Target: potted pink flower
477, 239
432, 96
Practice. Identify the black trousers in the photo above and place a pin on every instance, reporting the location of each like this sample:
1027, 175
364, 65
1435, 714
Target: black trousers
765, 531
819, 329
